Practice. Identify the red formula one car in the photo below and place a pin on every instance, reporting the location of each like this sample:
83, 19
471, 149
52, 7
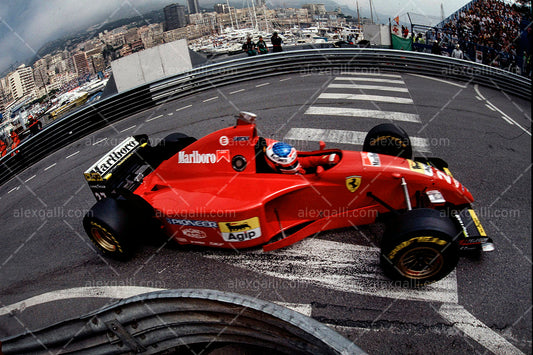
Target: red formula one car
234, 189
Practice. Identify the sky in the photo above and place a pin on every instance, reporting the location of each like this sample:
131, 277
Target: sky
26, 25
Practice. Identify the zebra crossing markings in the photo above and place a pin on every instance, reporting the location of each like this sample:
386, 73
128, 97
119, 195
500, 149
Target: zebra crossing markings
376, 80
368, 87
376, 98
362, 113
345, 137
371, 74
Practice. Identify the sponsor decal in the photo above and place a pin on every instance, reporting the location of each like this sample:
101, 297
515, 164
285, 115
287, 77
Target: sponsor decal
240, 139
418, 167
93, 177
197, 242
203, 158
183, 240
223, 140
120, 152
240, 231
188, 222
353, 183
370, 159
194, 233
477, 223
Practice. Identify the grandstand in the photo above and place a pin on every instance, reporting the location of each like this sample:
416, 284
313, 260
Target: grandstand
491, 32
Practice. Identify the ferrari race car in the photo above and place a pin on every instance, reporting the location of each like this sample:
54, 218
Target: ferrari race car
234, 189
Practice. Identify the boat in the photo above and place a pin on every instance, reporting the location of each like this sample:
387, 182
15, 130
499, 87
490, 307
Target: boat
67, 102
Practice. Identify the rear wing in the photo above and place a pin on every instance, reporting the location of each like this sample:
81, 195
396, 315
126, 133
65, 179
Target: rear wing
122, 168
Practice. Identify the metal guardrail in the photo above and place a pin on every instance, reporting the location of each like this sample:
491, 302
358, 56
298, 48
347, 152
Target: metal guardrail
186, 321
93, 117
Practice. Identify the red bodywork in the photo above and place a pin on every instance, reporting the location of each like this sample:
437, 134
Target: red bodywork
201, 199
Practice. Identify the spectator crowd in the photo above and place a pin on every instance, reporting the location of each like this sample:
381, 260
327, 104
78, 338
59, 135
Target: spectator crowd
489, 31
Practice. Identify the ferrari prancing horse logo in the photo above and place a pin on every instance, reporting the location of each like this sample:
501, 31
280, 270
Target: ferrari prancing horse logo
353, 183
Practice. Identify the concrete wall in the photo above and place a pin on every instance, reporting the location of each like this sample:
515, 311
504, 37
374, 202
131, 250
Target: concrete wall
151, 64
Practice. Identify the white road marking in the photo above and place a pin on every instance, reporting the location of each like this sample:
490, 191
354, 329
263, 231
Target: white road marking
127, 129
115, 292
505, 116
260, 85
99, 141
285, 79
338, 266
170, 113
13, 189
475, 329
303, 308
154, 118
355, 112
377, 98
368, 87
30, 178
236, 91
440, 80
345, 137
371, 74
211, 99
184, 107
71, 155
376, 80
50, 167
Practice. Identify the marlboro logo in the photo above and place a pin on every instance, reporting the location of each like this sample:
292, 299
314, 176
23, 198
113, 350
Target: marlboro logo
203, 158
112, 158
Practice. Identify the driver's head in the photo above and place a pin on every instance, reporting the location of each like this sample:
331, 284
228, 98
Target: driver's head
282, 157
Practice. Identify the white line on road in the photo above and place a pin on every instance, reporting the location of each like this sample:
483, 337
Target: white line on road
368, 87
115, 292
344, 137
303, 308
127, 129
355, 112
183, 108
265, 84
71, 155
376, 98
236, 91
154, 118
338, 266
371, 74
170, 113
99, 141
440, 80
375, 80
50, 167
13, 189
285, 79
30, 178
505, 116
211, 99
475, 329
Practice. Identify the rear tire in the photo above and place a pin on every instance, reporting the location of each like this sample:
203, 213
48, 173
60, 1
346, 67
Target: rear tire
173, 143
388, 139
419, 247
115, 226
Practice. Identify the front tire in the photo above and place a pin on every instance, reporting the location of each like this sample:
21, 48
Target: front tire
419, 247
389, 139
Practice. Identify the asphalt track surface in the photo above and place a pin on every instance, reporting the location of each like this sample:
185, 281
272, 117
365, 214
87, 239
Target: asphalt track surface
49, 270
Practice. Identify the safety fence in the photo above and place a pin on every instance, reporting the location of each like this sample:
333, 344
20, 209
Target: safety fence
185, 321
95, 116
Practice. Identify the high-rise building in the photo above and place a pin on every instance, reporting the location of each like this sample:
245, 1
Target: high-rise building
194, 7
81, 64
174, 17
221, 8
21, 82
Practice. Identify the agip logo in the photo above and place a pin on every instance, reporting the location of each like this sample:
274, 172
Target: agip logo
240, 231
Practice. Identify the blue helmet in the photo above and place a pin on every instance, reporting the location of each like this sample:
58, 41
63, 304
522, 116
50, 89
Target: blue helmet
282, 157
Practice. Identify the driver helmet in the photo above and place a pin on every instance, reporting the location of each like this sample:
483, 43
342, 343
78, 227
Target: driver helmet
283, 157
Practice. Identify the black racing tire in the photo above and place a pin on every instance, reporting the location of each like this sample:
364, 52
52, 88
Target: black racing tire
419, 247
115, 226
389, 139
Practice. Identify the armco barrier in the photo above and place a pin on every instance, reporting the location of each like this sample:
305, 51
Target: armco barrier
186, 321
93, 117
